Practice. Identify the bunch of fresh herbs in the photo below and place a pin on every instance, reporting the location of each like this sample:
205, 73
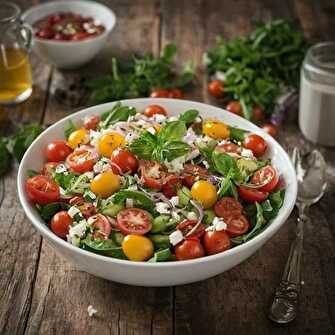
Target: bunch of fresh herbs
140, 77
259, 68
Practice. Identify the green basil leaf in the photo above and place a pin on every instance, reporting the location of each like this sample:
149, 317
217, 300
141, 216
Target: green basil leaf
162, 256
169, 52
189, 116
69, 129
140, 198
226, 165
172, 150
172, 131
237, 134
118, 113
103, 247
49, 210
228, 188
144, 146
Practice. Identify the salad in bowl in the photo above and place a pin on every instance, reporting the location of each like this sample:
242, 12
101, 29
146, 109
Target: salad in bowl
146, 185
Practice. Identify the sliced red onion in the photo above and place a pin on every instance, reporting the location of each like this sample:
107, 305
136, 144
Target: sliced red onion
117, 167
200, 210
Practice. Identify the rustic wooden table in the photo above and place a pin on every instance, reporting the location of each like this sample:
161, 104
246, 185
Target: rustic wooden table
40, 293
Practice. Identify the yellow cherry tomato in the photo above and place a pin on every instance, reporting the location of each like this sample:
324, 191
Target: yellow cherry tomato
78, 137
109, 142
215, 129
204, 192
105, 184
137, 248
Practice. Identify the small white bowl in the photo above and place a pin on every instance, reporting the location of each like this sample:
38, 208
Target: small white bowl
156, 274
70, 54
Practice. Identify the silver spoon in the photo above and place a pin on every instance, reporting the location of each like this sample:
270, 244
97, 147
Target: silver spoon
310, 170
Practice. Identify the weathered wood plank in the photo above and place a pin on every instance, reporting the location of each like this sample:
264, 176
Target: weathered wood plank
121, 309
19, 243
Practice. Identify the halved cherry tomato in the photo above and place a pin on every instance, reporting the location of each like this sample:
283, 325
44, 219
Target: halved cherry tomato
227, 206
257, 113
42, 190
60, 223
124, 161
91, 122
256, 144
189, 249
175, 93
234, 107
102, 226
86, 208
80, 161
57, 151
237, 225
191, 172
152, 110
267, 175
251, 195
216, 242
152, 174
187, 225
171, 186
270, 129
162, 93
215, 88
49, 168
134, 221
227, 147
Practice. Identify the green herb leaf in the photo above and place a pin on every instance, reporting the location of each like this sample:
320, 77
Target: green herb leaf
49, 210
103, 247
172, 150
189, 116
140, 198
172, 131
162, 256
226, 165
144, 146
237, 134
116, 114
69, 129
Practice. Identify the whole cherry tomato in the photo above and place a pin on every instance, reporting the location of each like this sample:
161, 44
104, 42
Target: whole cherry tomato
234, 107
91, 122
162, 93
216, 242
189, 249
175, 93
215, 88
270, 129
257, 113
57, 151
152, 110
123, 161
60, 223
256, 144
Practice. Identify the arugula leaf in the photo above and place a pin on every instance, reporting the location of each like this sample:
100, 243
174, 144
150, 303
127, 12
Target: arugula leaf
172, 131
189, 116
162, 256
116, 114
64, 180
69, 129
237, 134
226, 165
141, 199
49, 210
144, 146
4, 157
103, 247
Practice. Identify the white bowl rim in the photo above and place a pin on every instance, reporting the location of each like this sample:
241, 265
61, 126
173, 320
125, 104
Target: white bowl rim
57, 42
278, 221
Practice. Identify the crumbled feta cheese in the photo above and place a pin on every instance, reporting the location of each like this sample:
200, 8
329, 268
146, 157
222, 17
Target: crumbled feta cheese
60, 168
91, 311
90, 195
198, 119
176, 237
129, 203
217, 224
151, 130
163, 208
94, 137
72, 211
131, 136
159, 118
192, 216
190, 137
175, 215
176, 165
205, 164
141, 123
247, 153
223, 142
191, 155
89, 174
174, 201
76, 232
91, 220
133, 187
102, 166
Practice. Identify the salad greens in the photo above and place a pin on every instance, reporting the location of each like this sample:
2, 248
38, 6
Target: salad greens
260, 67
139, 77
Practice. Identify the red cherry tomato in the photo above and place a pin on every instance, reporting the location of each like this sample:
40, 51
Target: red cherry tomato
60, 223
187, 225
175, 93
152, 174
152, 110
267, 175
42, 190
237, 225
227, 147
124, 161
91, 122
46, 33
80, 161
234, 107
86, 208
101, 225
215, 88
162, 93
251, 195
227, 206
134, 221
216, 242
191, 172
256, 144
171, 186
61, 37
49, 168
257, 113
81, 36
270, 129
189, 249
54, 19
57, 151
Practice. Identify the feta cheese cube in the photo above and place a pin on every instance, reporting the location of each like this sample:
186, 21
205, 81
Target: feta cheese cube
151, 130
163, 208
247, 153
174, 201
192, 216
176, 237
72, 211
129, 203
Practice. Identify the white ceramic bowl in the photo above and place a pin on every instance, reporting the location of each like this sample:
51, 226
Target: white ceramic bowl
156, 274
70, 54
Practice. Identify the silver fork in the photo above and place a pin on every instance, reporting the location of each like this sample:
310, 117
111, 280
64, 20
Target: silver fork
310, 170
